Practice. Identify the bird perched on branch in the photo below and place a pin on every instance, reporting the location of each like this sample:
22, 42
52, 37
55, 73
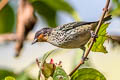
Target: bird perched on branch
71, 35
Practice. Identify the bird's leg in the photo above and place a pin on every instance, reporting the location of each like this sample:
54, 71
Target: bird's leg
83, 48
93, 35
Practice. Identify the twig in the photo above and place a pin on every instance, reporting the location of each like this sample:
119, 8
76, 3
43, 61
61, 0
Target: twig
3, 3
25, 23
94, 38
7, 37
12, 37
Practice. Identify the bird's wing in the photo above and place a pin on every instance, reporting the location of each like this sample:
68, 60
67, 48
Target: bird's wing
73, 25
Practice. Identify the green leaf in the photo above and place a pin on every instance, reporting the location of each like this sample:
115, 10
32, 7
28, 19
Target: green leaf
48, 9
43, 62
57, 5
9, 78
117, 2
9, 75
46, 55
4, 73
7, 19
23, 76
60, 74
98, 45
62, 5
46, 12
87, 74
116, 12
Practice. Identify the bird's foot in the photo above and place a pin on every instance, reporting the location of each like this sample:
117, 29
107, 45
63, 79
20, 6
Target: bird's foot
93, 35
84, 58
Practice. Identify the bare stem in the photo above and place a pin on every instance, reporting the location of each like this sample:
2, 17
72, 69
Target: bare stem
7, 37
3, 3
12, 37
105, 9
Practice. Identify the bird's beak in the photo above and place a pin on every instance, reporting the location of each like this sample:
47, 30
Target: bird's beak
34, 41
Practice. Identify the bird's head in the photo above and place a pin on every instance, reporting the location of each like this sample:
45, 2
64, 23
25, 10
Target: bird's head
42, 35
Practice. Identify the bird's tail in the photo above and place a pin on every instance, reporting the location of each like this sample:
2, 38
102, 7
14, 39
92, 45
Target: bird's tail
107, 18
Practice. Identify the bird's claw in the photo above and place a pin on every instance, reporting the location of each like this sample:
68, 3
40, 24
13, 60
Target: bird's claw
84, 58
93, 35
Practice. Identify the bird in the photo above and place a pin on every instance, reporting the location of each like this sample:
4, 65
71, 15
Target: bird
68, 36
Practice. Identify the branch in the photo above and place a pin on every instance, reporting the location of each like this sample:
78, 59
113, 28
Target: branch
12, 37
3, 3
105, 9
25, 23
7, 37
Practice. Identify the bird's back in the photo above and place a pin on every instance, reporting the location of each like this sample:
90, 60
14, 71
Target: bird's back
71, 35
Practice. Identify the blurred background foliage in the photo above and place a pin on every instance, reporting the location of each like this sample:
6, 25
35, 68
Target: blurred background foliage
48, 10
4, 73
7, 19
116, 8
